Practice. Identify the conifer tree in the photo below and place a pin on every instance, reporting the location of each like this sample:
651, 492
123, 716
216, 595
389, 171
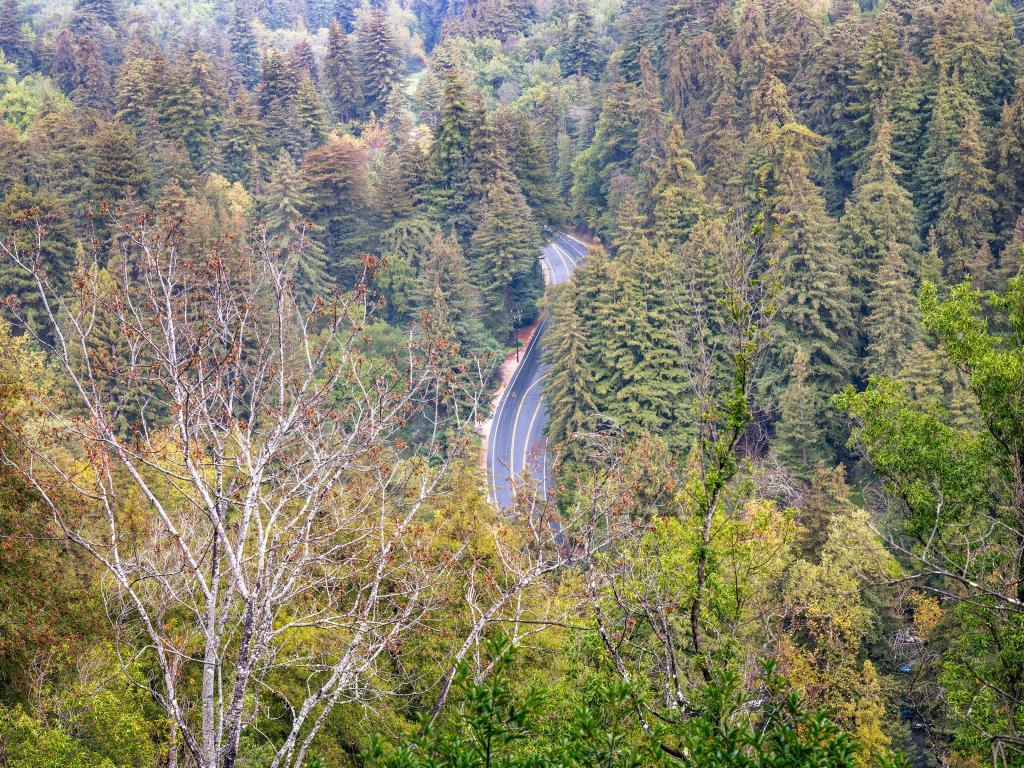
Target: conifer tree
892, 323
302, 60
340, 81
335, 183
64, 68
828, 497
815, 303
23, 213
444, 273
93, 80
192, 109
119, 171
679, 200
244, 51
241, 135
579, 53
131, 95
447, 190
289, 233
647, 385
103, 11
1008, 181
531, 167
650, 145
380, 61
879, 216
569, 387
952, 104
965, 224
799, 437
311, 116
13, 44
504, 249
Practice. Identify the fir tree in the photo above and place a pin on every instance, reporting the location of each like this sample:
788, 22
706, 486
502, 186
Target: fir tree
679, 195
289, 233
340, 79
951, 106
190, 110
311, 116
569, 387
119, 171
965, 224
891, 324
277, 94
444, 274
13, 44
241, 135
504, 248
579, 53
131, 95
531, 168
380, 61
1008, 180
799, 437
93, 88
64, 68
334, 178
828, 498
447, 190
24, 215
815, 303
878, 217
104, 11
244, 51
647, 384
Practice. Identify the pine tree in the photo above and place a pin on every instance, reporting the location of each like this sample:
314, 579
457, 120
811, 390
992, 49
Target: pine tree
277, 94
241, 135
13, 44
828, 496
104, 11
244, 50
289, 233
334, 178
23, 214
650, 145
93, 89
951, 106
879, 216
799, 437
119, 170
447, 191
380, 60
569, 387
531, 167
312, 117
1008, 180
647, 386
579, 53
190, 112
443, 272
302, 60
892, 323
64, 68
340, 79
965, 224
679, 201
131, 95
815, 302
504, 249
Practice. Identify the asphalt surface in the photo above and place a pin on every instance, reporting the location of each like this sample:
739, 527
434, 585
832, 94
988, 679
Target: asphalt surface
517, 454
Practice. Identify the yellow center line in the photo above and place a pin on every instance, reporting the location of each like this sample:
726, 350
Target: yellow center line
515, 426
529, 431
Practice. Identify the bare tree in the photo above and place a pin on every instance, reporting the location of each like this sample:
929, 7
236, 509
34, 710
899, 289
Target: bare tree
236, 463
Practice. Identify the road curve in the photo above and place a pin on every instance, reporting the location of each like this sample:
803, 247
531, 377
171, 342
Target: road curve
516, 445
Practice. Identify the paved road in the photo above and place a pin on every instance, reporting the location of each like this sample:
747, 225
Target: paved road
516, 446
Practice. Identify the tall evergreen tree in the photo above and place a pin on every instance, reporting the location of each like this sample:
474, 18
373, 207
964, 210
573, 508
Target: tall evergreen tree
965, 224
879, 216
191, 109
380, 60
504, 249
447, 190
241, 135
339, 78
244, 50
13, 44
119, 171
891, 324
579, 53
289, 233
799, 437
335, 184
311, 117
951, 106
569, 388
679, 200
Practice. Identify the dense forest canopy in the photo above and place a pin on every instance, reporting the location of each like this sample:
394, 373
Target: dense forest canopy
265, 265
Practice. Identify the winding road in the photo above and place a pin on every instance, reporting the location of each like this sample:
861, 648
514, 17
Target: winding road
516, 445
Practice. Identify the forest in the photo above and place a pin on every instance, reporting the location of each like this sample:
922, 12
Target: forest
265, 266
